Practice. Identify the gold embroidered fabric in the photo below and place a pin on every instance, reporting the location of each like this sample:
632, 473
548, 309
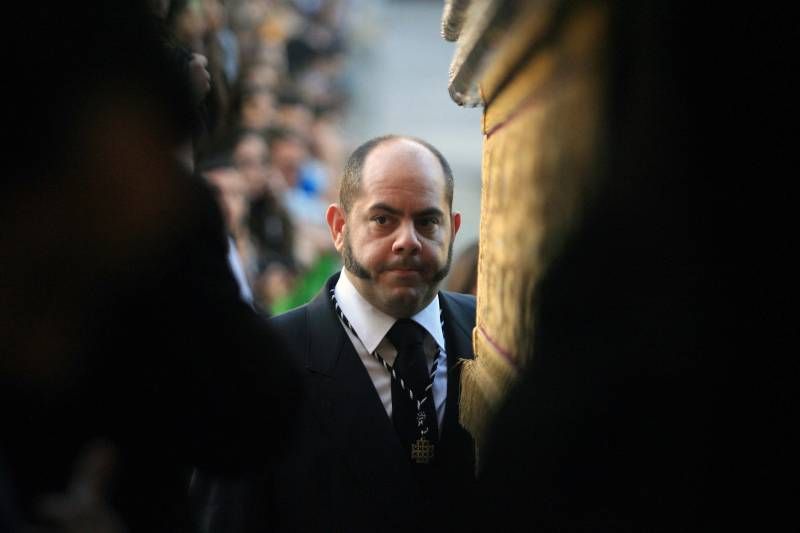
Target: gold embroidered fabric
542, 88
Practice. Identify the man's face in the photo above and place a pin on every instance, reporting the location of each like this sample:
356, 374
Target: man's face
397, 239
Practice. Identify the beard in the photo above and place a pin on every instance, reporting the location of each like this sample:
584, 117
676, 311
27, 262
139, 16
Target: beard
351, 263
360, 271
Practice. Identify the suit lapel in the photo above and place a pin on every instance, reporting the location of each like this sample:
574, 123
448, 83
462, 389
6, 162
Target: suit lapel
456, 447
458, 325
458, 339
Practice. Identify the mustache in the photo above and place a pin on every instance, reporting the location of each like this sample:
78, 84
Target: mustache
404, 264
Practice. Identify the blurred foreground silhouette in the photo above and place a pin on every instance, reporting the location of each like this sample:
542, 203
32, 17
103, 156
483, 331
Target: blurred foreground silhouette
128, 357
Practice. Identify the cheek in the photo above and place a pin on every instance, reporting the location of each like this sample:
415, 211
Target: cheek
372, 252
368, 253
437, 242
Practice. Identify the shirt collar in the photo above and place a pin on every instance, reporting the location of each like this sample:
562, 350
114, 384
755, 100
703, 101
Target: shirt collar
372, 324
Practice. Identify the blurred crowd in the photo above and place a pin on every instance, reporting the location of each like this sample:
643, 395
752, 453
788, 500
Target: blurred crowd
268, 137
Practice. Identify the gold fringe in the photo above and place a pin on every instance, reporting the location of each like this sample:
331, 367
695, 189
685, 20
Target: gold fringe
487, 378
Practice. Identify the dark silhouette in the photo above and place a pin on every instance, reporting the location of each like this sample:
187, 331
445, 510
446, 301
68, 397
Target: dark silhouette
621, 421
128, 355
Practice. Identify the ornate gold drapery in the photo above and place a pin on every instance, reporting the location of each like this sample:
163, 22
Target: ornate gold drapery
537, 68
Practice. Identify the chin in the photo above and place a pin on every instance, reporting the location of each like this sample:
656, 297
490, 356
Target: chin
403, 302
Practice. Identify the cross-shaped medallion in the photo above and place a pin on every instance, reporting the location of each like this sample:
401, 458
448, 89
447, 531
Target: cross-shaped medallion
422, 451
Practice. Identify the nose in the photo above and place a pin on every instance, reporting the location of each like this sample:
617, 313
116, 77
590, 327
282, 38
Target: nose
406, 240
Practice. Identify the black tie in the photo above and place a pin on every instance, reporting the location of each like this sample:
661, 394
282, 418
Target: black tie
410, 422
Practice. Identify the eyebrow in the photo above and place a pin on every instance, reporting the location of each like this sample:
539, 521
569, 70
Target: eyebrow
428, 211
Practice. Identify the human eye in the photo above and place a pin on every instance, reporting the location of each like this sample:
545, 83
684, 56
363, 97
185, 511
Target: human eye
428, 225
428, 222
380, 220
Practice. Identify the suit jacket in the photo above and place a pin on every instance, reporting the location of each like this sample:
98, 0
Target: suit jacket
347, 470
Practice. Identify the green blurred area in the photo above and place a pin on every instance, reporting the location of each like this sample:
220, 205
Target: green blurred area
308, 284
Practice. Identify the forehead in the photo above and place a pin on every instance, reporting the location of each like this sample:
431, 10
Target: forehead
402, 166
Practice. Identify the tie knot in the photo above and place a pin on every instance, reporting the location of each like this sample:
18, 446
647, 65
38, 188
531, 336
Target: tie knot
406, 333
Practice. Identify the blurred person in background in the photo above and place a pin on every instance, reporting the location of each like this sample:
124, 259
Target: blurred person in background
189, 27
270, 229
129, 356
304, 195
180, 26
217, 22
289, 154
220, 46
292, 111
305, 179
328, 147
290, 254
246, 16
250, 189
231, 194
251, 157
260, 74
231, 190
255, 107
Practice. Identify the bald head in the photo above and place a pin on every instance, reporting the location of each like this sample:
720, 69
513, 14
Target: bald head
354, 168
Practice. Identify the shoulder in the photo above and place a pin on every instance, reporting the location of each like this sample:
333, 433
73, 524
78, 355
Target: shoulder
464, 302
296, 324
291, 320
459, 306
293, 329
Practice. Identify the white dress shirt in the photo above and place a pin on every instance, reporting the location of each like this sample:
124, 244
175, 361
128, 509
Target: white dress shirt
372, 325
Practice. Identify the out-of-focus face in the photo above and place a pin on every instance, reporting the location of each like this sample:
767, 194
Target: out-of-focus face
397, 239
251, 158
232, 195
261, 76
258, 110
296, 117
288, 155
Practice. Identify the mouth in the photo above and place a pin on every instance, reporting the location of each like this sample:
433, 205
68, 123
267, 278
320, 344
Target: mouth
404, 270
404, 273
403, 266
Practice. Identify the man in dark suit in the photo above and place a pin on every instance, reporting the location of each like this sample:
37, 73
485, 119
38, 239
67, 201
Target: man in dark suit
380, 447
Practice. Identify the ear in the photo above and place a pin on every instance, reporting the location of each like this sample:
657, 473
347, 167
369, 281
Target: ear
336, 219
456, 222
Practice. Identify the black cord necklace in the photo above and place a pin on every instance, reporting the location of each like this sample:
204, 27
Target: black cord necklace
421, 450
